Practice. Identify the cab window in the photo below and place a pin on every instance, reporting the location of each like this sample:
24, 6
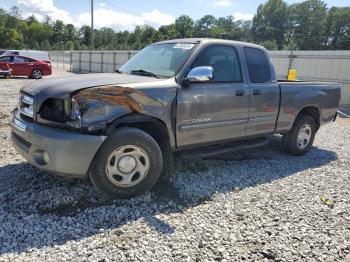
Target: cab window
258, 65
224, 60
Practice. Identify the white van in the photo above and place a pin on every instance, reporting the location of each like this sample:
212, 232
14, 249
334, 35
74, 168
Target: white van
38, 55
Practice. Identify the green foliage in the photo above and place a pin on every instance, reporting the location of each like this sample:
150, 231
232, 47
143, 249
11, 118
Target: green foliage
269, 44
304, 25
337, 27
184, 26
270, 22
204, 25
308, 21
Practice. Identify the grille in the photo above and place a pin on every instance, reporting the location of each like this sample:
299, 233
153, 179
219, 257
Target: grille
21, 141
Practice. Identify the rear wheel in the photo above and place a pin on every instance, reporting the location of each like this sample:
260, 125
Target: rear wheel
129, 163
300, 139
36, 74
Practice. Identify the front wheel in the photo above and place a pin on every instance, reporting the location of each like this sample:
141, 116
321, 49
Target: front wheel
129, 163
300, 139
36, 74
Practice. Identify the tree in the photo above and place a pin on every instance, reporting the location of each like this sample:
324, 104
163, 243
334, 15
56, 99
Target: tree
85, 32
167, 32
276, 25
15, 12
70, 33
270, 22
31, 19
58, 29
13, 38
245, 30
204, 24
184, 26
37, 33
45, 45
338, 27
308, 21
269, 44
149, 35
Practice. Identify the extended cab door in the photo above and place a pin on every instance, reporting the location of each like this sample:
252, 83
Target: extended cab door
216, 110
264, 92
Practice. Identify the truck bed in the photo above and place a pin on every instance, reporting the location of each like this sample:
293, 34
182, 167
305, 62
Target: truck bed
322, 97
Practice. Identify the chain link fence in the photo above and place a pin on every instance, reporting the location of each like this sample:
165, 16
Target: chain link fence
61, 59
99, 61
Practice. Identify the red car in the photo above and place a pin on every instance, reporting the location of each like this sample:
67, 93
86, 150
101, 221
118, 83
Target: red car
25, 66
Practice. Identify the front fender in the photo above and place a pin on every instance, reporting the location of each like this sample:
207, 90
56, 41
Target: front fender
101, 106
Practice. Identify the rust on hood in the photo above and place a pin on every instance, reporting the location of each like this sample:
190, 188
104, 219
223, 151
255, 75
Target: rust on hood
113, 95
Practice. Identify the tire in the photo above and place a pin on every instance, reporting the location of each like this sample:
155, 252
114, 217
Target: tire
304, 127
36, 74
115, 168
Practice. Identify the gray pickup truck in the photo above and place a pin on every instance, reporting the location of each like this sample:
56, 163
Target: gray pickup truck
196, 96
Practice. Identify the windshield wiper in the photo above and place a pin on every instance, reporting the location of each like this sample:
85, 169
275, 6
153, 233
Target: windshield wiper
143, 73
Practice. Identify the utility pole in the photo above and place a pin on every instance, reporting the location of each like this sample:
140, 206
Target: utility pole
92, 25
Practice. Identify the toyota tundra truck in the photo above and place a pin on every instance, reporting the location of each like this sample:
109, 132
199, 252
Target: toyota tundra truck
194, 96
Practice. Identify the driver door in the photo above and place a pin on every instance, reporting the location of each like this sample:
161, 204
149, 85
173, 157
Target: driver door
215, 110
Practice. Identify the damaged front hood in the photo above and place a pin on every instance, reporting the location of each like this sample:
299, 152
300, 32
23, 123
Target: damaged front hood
97, 100
63, 87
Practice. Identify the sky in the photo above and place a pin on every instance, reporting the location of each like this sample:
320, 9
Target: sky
126, 14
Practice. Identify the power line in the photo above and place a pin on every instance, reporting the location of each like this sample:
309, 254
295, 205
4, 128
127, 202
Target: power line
92, 24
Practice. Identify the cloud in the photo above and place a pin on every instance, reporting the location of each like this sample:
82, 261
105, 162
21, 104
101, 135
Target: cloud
41, 8
103, 17
243, 16
125, 21
222, 2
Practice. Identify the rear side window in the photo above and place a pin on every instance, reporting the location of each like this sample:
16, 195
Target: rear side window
19, 59
5, 59
224, 61
258, 65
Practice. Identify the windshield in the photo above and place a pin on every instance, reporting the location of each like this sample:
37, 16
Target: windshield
160, 60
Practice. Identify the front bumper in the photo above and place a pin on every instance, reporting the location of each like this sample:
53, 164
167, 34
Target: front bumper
54, 150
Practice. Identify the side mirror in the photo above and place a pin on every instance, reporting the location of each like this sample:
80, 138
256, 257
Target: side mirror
200, 74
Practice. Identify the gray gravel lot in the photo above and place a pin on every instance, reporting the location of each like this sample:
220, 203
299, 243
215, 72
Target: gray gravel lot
256, 205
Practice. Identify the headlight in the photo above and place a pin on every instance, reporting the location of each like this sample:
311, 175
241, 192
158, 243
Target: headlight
60, 111
27, 99
26, 105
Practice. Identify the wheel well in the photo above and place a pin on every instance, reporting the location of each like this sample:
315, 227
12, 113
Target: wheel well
152, 126
312, 111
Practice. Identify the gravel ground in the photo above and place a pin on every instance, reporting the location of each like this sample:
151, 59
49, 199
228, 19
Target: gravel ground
256, 205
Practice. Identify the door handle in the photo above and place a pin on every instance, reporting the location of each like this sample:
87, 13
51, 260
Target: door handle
30, 64
239, 92
256, 92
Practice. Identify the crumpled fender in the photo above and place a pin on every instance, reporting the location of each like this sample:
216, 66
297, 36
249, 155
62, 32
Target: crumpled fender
109, 102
